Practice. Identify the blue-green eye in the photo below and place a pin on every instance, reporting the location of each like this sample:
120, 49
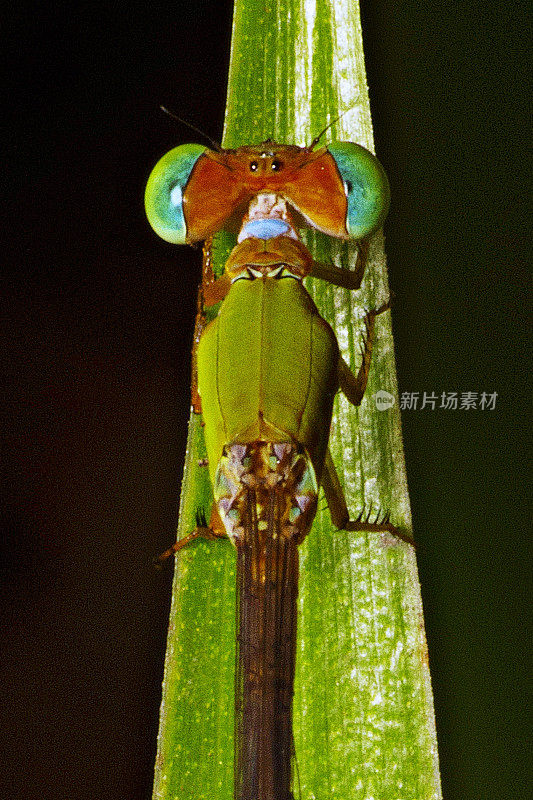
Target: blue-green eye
163, 198
366, 187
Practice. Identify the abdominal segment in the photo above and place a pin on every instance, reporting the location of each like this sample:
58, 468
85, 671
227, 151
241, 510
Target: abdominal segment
266, 493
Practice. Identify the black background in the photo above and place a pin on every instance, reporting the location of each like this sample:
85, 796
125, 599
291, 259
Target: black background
98, 320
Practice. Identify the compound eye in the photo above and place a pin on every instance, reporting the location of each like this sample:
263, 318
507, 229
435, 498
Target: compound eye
253, 166
276, 165
365, 185
163, 198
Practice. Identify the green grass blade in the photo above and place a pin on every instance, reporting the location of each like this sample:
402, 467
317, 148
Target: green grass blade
364, 724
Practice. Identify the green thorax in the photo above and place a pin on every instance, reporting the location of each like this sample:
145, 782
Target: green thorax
267, 370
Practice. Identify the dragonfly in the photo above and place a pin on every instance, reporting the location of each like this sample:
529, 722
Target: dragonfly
266, 370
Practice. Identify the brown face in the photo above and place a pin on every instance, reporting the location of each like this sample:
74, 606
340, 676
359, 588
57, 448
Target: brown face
275, 179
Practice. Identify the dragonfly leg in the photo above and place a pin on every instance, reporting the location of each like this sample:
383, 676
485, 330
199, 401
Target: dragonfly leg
215, 530
338, 510
340, 515
212, 290
199, 326
351, 385
380, 524
347, 278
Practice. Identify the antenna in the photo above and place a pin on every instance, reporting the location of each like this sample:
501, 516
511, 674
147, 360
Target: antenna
321, 134
216, 145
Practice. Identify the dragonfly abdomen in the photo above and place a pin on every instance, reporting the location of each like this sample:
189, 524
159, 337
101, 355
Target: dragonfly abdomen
266, 494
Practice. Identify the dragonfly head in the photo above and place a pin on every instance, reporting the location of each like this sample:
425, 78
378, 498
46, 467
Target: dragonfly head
267, 190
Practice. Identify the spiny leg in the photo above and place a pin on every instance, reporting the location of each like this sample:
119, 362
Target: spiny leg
347, 278
211, 291
215, 530
354, 386
340, 515
338, 510
380, 524
199, 326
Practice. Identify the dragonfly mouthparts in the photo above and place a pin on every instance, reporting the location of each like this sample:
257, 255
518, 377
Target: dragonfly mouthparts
267, 218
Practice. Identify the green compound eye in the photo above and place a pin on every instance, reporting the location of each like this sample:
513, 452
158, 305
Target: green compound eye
163, 198
366, 186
